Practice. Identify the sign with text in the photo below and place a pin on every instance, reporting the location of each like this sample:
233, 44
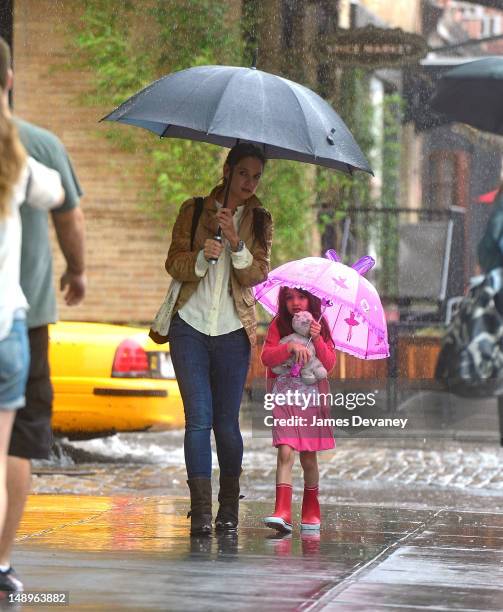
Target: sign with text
372, 47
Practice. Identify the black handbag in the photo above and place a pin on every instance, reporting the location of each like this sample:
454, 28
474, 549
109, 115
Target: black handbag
470, 363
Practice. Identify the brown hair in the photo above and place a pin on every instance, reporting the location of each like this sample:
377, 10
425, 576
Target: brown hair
5, 61
242, 150
235, 155
284, 318
12, 153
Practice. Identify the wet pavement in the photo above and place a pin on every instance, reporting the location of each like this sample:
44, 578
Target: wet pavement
412, 524
135, 553
418, 473
409, 525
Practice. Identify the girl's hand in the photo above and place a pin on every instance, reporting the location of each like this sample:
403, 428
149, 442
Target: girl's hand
212, 249
315, 330
300, 352
224, 218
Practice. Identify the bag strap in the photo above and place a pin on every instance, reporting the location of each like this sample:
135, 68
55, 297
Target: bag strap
198, 209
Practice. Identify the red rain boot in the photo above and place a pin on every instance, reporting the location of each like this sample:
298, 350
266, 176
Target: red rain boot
310, 510
281, 520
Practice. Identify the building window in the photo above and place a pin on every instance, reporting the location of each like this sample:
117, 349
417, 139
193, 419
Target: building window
491, 26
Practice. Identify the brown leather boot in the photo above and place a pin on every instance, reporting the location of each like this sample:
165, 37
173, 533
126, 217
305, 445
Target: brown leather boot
228, 511
200, 506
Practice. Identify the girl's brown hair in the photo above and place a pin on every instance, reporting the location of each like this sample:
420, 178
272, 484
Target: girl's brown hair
12, 160
284, 318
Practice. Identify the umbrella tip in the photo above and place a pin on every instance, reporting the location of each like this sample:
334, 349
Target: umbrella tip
254, 58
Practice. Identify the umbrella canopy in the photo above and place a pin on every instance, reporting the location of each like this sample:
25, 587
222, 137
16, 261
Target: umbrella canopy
356, 320
489, 3
225, 104
473, 93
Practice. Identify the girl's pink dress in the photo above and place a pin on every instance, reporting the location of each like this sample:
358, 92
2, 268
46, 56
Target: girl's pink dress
301, 435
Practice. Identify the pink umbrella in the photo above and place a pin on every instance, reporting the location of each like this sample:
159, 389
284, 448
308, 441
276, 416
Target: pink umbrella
355, 318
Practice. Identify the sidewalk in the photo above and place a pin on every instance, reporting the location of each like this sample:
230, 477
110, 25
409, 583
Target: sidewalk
134, 553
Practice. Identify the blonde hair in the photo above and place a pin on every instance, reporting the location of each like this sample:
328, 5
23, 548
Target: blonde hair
12, 161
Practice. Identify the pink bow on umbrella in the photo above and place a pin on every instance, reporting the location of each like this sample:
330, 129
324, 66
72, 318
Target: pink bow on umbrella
355, 317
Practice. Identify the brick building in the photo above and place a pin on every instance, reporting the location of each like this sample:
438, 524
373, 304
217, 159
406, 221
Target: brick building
125, 249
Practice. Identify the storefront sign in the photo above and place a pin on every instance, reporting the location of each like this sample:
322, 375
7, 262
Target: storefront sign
372, 47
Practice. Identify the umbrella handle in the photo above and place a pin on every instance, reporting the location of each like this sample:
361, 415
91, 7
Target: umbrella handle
218, 237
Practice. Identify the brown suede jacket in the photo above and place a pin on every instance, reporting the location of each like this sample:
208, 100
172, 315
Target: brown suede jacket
181, 262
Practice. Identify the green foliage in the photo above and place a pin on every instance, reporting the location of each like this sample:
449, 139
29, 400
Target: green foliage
342, 191
250, 25
286, 193
104, 38
393, 105
195, 33
350, 193
126, 45
392, 120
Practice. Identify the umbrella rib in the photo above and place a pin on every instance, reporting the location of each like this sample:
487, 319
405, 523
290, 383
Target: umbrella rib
308, 132
190, 95
367, 346
217, 108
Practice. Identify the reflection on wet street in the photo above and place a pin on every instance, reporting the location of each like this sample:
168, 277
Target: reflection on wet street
437, 472
129, 552
407, 524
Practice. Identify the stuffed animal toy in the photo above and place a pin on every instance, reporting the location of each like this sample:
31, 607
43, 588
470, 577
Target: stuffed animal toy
313, 370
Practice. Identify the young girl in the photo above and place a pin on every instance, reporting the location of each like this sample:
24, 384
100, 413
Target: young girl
307, 439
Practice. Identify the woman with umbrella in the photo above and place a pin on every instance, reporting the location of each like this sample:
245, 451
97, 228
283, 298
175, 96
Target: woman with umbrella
214, 326
224, 105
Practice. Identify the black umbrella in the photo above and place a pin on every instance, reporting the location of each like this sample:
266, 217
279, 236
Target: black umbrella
224, 105
473, 93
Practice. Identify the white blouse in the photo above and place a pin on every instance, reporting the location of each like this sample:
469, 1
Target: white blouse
40, 187
211, 308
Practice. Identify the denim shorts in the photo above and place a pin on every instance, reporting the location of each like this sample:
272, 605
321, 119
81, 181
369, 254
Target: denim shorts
14, 364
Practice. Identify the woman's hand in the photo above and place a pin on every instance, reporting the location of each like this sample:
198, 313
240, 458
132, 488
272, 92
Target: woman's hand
212, 249
315, 330
224, 218
300, 352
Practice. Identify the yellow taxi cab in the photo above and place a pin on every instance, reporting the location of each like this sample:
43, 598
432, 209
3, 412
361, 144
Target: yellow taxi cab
111, 378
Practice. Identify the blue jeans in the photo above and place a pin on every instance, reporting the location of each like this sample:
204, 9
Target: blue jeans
211, 373
14, 365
